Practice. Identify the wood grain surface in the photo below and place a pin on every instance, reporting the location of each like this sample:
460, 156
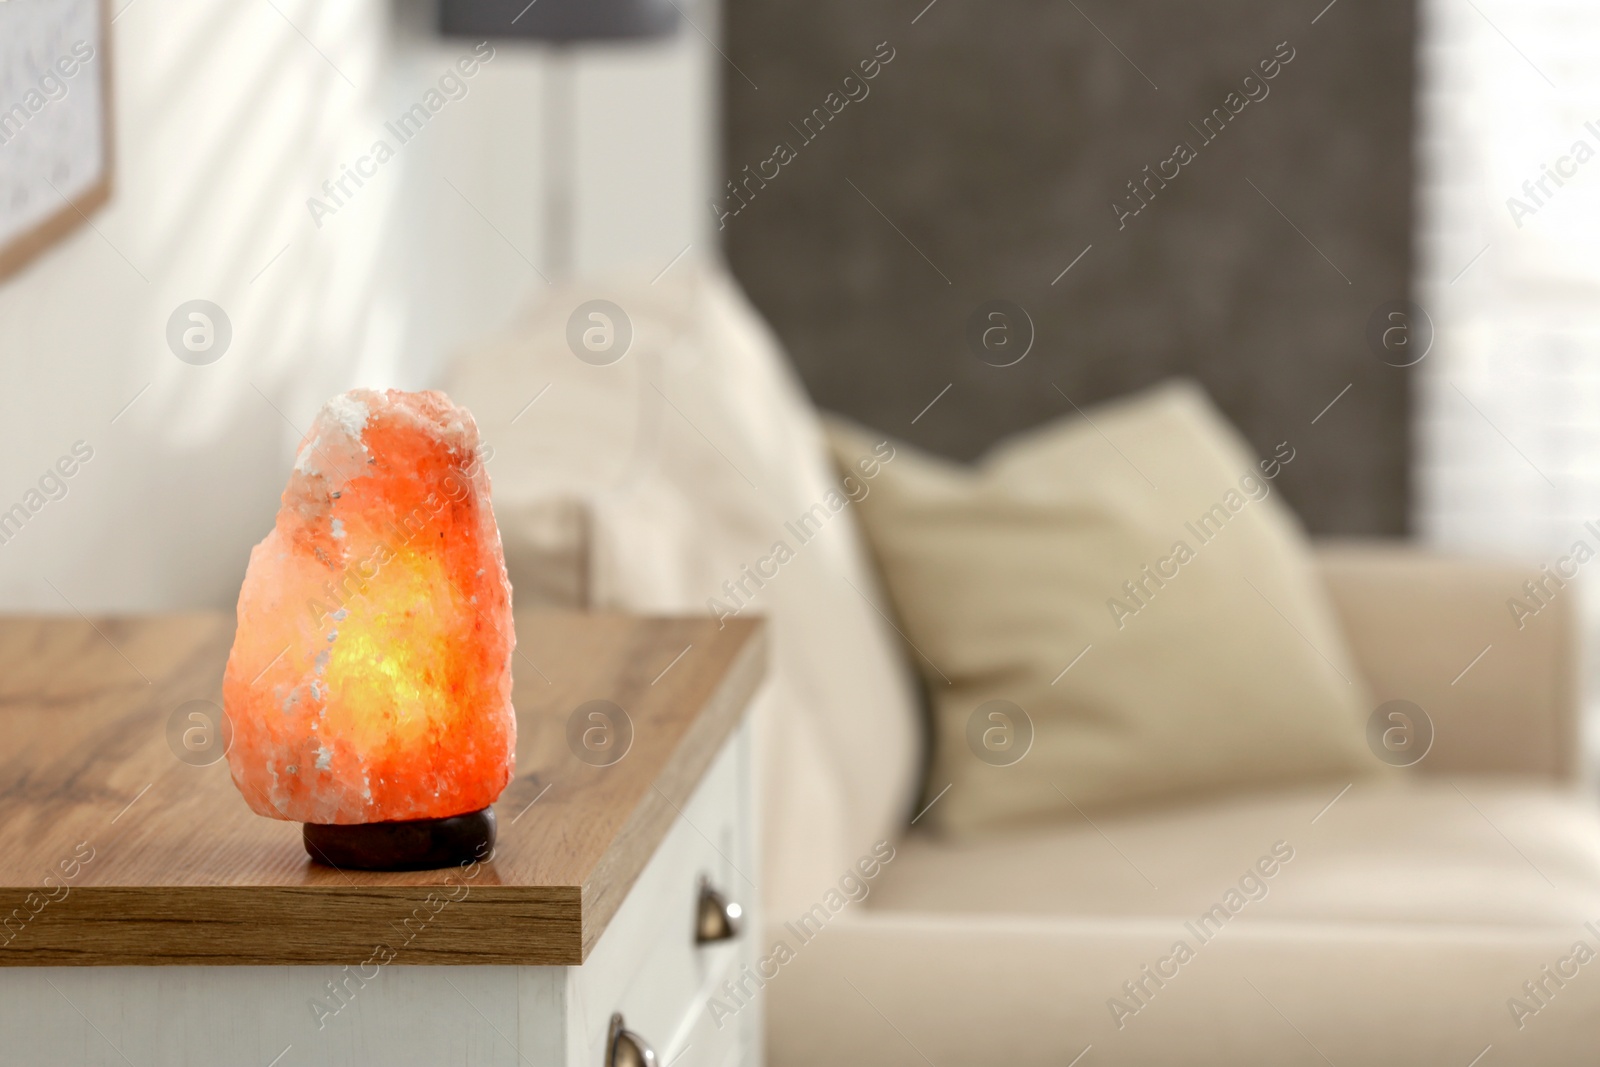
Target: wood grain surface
113, 851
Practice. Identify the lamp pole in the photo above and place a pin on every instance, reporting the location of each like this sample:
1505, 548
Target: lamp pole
560, 163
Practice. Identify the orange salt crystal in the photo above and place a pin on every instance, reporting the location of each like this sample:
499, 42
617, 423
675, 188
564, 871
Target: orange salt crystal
370, 677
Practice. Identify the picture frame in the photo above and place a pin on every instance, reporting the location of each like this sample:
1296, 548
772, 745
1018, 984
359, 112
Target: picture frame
56, 123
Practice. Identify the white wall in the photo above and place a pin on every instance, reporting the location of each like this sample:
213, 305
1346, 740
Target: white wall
1508, 401
228, 120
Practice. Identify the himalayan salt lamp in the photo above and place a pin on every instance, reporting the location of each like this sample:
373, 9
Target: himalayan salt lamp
369, 685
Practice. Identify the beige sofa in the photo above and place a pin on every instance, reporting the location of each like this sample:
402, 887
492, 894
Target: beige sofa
1411, 912
1393, 923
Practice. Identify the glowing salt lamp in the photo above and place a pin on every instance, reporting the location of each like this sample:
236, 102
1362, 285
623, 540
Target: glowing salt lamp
369, 685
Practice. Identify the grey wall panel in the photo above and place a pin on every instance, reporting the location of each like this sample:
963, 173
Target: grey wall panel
987, 155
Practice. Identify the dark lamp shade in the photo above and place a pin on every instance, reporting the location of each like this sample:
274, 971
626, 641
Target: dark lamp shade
559, 20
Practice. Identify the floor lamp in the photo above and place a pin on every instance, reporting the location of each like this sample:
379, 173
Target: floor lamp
560, 24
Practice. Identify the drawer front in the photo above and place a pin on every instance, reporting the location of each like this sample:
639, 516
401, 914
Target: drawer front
707, 1040
647, 965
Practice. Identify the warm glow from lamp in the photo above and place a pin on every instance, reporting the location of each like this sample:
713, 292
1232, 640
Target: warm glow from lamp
369, 684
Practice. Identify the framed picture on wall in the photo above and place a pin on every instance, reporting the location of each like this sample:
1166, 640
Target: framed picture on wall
55, 122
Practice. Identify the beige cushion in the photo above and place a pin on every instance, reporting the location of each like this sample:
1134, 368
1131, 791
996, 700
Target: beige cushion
1408, 916
689, 456
1228, 672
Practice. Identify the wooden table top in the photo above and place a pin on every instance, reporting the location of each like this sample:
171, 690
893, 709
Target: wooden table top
113, 851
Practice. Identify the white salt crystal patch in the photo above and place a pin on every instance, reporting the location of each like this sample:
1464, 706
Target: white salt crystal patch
340, 615
306, 462
338, 528
349, 411
324, 758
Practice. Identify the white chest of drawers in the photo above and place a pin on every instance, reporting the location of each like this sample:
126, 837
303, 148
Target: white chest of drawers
196, 936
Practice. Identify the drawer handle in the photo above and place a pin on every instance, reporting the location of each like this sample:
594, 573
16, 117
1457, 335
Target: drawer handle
716, 917
624, 1048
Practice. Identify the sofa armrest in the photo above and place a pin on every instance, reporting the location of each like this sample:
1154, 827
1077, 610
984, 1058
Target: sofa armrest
547, 543
1500, 684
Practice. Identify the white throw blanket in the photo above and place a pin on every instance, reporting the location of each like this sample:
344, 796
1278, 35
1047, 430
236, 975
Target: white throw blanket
698, 454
